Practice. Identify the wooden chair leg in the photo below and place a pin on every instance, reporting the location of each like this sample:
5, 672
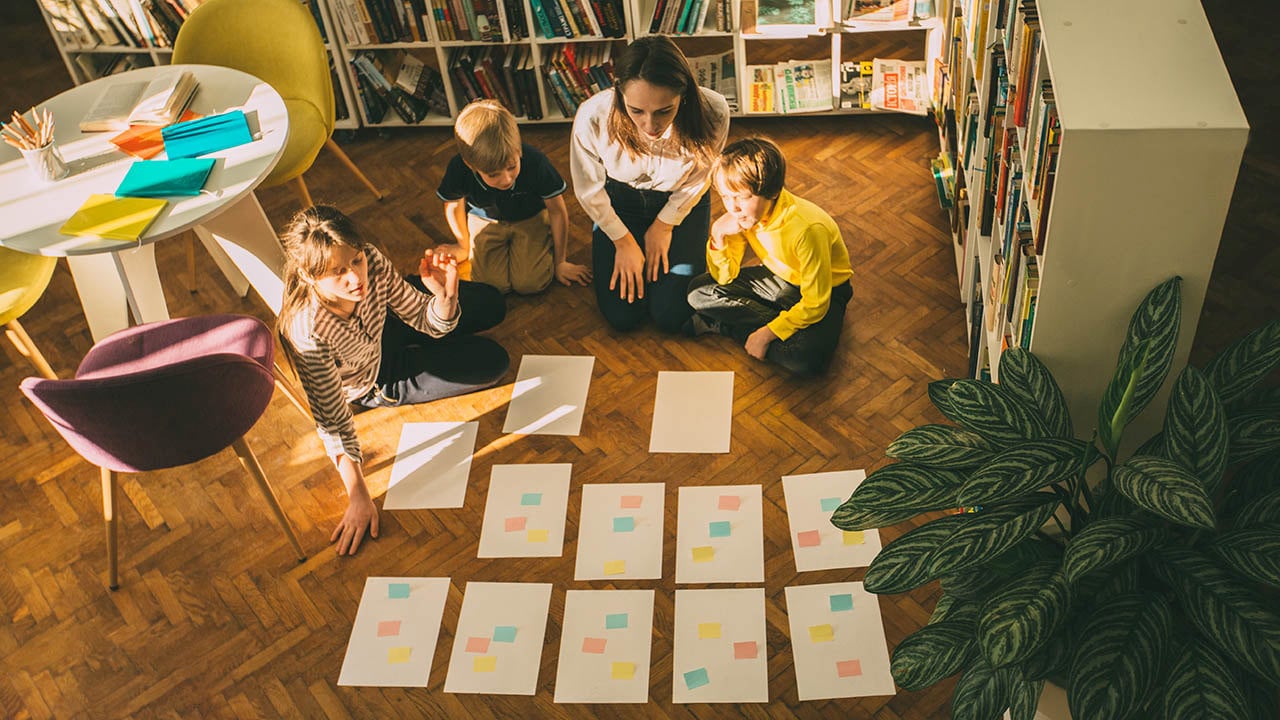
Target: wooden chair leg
21, 340
287, 389
191, 260
333, 146
109, 517
300, 187
250, 463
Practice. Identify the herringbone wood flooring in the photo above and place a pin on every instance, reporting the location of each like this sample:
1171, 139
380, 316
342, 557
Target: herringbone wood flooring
214, 619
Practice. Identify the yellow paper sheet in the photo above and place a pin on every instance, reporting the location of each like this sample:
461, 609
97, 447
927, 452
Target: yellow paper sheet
108, 216
615, 567
704, 553
708, 631
853, 537
623, 671
537, 536
821, 633
486, 663
397, 655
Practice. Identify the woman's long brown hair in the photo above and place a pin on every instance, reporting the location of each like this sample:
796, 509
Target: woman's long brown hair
308, 240
656, 60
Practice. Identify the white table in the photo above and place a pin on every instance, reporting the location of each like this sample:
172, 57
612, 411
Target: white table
114, 278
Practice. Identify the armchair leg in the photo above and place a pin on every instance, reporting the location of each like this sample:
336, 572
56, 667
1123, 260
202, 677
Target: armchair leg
191, 259
109, 517
21, 340
250, 463
300, 187
333, 146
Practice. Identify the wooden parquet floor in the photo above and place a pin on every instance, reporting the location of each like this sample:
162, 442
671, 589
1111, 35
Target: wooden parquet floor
214, 618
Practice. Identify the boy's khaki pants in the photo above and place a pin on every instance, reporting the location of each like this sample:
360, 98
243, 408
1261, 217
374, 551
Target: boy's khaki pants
512, 256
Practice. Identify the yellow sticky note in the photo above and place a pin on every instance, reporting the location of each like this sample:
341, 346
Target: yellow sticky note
821, 633
485, 663
623, 671
708, 631
853, 537
397, 655
704, 553
615, 567
537, 536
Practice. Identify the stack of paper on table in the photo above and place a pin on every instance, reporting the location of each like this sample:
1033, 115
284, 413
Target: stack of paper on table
146, 141
206, 135
113, 218
165, 178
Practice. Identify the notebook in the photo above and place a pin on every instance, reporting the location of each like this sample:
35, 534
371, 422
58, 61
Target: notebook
164, 178
107, 216
206, 135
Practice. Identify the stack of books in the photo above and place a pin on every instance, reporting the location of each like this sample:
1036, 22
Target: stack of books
157, 102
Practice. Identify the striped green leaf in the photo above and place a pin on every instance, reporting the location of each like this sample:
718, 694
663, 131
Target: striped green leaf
990, 533
902, 564
1253, 433
1195, 429
908, 486
1019, 619
1166, 489
1260, 697
1023, 374
1237, 370
995, 413
1103, 543
1023, 468
1252, 552
1226, 613
1250, 483
1119, 657
940, 396
978, 582
941, 446
1025, 698
982, 693
932, 653
1053, 657
1264, 511
1201, 686
1145, 357
850, 516
1122, 579
950, 607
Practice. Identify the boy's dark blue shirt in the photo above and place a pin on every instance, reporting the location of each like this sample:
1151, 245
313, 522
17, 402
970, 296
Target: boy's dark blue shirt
538, 180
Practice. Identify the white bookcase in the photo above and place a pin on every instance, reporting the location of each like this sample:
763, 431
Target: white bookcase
916, 39
1152, 136
86, 56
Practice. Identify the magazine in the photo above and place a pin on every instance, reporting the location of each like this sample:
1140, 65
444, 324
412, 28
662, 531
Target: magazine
900, 86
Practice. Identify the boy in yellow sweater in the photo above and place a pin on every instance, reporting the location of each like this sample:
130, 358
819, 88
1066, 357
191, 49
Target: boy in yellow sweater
788, 310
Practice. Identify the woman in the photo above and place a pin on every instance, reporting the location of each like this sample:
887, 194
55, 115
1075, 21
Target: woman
641, 160
359, 333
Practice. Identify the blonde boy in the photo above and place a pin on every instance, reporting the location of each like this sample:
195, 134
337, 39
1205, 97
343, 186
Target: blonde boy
504, 203
788, 310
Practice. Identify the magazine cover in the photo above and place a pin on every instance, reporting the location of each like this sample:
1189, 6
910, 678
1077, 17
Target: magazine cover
900, 86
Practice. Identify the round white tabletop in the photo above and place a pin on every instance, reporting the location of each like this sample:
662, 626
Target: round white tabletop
34, 211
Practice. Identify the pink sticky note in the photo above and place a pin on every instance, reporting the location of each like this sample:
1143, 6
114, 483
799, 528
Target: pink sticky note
515, 524
388, 628
592, 645
729, 502
848, 668
477, 644
745, 650
631, 501
808, 538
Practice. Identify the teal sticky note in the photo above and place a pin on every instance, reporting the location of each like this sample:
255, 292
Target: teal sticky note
830, 504
624, 524
398, 591
696, 678
719, 528
531, 499
842, 602
504, 633
615, 621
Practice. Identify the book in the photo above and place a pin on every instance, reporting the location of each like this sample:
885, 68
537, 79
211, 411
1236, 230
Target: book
878, 11
164, 99
113, 218
789, 18
165, 178
760, 89
207, 134
855, 84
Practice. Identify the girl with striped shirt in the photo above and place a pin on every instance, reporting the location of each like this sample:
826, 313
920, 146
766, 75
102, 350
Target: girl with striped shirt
359, 333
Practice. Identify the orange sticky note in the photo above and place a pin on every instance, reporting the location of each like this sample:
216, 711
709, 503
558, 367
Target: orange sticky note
537, 536
622, 671
477, 644
704, 553
515, 524
729, 502
745, 650
708, 631
821, 633
615, 567
486, 663
595, 646
848, 668
388, 628
631, 502
397, 655
808, 538
853, 537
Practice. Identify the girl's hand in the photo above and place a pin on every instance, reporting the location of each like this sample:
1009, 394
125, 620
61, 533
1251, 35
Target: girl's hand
657, 241
628, 269
439, 272
361, 515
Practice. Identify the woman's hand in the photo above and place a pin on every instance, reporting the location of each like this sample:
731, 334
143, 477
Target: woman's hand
628, 269
361, 514
657, 241
439, 271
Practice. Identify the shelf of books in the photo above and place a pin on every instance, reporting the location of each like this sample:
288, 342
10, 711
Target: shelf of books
1072, 194
97, 38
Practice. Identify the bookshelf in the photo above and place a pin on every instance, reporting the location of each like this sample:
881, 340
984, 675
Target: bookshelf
386, 31
1095, 147
102, 37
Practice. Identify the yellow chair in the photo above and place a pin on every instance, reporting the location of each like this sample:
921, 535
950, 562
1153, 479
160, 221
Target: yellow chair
277, 41
23, 279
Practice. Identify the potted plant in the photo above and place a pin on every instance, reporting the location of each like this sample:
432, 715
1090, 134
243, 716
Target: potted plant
1145, 585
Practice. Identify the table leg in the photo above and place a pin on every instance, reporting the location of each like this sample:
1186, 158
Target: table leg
243, 235
142, 286
110, 285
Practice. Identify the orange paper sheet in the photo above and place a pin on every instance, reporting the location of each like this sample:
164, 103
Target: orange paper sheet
145, 141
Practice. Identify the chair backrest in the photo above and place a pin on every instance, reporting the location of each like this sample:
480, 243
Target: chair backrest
148, 416
23, 279
275, 40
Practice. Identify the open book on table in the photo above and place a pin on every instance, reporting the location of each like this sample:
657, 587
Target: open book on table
160, 101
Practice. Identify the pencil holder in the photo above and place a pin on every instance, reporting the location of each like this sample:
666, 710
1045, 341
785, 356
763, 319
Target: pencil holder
46, 163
